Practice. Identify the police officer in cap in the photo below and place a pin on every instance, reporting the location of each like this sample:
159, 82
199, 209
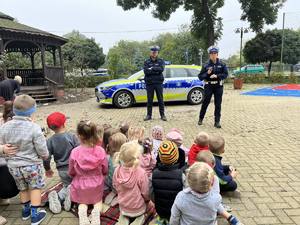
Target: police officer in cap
153, 69
213, 74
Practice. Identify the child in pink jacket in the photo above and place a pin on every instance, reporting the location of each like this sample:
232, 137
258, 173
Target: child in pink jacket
132, 185
147, 160
88, 167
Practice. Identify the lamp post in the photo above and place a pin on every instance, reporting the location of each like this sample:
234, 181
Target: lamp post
241, 30
200, 55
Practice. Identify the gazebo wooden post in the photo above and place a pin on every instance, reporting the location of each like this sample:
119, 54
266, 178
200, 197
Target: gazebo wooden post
54, 56
32, 60
60, 57
2, 51
43, 57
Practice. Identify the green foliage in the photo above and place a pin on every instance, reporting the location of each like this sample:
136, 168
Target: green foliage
274, 78
260, 12
266, 47
128, 57
82, 53
85, 81
206, 24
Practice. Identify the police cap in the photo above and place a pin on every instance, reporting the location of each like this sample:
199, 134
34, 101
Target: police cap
155, 48
213, 49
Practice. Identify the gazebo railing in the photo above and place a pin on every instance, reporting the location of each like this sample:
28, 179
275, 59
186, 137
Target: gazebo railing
30, 77
55, 74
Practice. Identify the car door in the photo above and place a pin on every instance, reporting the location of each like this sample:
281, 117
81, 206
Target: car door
177, 84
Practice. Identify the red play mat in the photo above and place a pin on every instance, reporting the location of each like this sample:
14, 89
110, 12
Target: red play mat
288, 87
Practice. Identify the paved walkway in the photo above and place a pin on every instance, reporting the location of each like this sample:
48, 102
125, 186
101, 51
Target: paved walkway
262, 141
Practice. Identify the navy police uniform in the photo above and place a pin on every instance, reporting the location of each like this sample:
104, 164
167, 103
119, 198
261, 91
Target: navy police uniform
153, 69
213, 86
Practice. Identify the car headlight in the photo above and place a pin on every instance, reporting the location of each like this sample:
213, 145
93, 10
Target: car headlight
105, 88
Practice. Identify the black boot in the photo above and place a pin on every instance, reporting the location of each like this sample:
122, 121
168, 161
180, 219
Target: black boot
147, 118
164, 118
218, 125
200, 122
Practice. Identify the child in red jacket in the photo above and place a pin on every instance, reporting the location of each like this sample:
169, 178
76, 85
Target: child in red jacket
200, 143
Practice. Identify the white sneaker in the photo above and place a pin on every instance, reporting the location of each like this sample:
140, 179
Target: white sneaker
54, 203
67, 202
2, 220
95, 217
82, 214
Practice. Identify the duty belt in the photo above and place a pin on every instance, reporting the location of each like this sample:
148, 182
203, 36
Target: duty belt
214, 82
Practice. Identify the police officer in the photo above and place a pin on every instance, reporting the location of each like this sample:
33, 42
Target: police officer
153, 69
213, 74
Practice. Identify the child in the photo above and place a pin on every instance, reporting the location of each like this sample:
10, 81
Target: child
115, 143
157, 137
108, 132
7, 112
147, 161
124, 127
197, 204
136, 134
225, 173
176, 136
60, 146
132, 185
167, 181
208, 157
100, 133
200, 143
88, 167
26, 166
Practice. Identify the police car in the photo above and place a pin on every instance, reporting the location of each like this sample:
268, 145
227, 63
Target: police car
181, 84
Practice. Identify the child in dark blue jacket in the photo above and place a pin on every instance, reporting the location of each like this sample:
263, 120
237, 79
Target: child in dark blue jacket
225, 173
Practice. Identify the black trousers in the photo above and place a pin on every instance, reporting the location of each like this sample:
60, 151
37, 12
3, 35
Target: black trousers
230, 186
158, 88
8, 187
210, 90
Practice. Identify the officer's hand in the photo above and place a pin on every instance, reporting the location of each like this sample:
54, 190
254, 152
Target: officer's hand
150, 68
209, 71
213, 76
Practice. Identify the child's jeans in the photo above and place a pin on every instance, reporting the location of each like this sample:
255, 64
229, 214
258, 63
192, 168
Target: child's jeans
230, 186
29, 177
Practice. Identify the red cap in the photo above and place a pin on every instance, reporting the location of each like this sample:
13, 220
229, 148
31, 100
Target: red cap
56, 119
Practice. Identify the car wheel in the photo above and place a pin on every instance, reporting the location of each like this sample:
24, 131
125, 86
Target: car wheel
196, 96
123, 99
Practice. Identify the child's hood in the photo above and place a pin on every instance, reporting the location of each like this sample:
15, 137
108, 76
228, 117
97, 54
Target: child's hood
127, 177
90, 158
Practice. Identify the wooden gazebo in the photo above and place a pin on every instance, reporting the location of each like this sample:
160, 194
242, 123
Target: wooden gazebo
17, 37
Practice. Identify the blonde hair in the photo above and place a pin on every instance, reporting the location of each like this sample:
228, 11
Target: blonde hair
202, 139
23, 102
18, 79
207, 157
129, 154
115, 142
136, 133
216, 144
200, 177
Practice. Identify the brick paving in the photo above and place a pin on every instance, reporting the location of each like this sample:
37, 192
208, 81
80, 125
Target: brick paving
262, 141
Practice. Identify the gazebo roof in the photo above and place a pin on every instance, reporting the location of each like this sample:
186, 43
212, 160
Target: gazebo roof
9, 24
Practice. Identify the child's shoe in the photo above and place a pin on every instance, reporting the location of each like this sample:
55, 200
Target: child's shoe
54, 203
26, 212
95, 217
233, 220
82, 214
67, 202
139, 220
160, 221
123, 220
2, 220
37, 215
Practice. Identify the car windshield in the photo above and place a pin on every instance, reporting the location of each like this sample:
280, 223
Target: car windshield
136, 75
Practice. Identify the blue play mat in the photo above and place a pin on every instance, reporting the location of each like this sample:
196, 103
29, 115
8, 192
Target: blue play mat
273, 91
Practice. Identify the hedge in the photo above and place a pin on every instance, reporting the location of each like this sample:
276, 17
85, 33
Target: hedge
84, 81
276, 78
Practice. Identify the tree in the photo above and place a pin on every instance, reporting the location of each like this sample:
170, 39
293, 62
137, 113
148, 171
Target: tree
266, 47
205, 23
260, 12
82, 53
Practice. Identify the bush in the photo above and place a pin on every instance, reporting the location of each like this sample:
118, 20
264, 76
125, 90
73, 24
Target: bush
84, 81
277, 78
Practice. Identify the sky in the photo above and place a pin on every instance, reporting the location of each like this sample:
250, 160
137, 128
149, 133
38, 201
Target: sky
109, 23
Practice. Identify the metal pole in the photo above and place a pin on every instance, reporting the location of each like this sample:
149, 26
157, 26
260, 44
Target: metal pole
282, 42
201, 59
241, 47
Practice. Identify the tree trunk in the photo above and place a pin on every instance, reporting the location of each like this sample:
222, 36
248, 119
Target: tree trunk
210, 24
269, 68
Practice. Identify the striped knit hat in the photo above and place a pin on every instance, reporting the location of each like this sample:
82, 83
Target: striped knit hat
168, 152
